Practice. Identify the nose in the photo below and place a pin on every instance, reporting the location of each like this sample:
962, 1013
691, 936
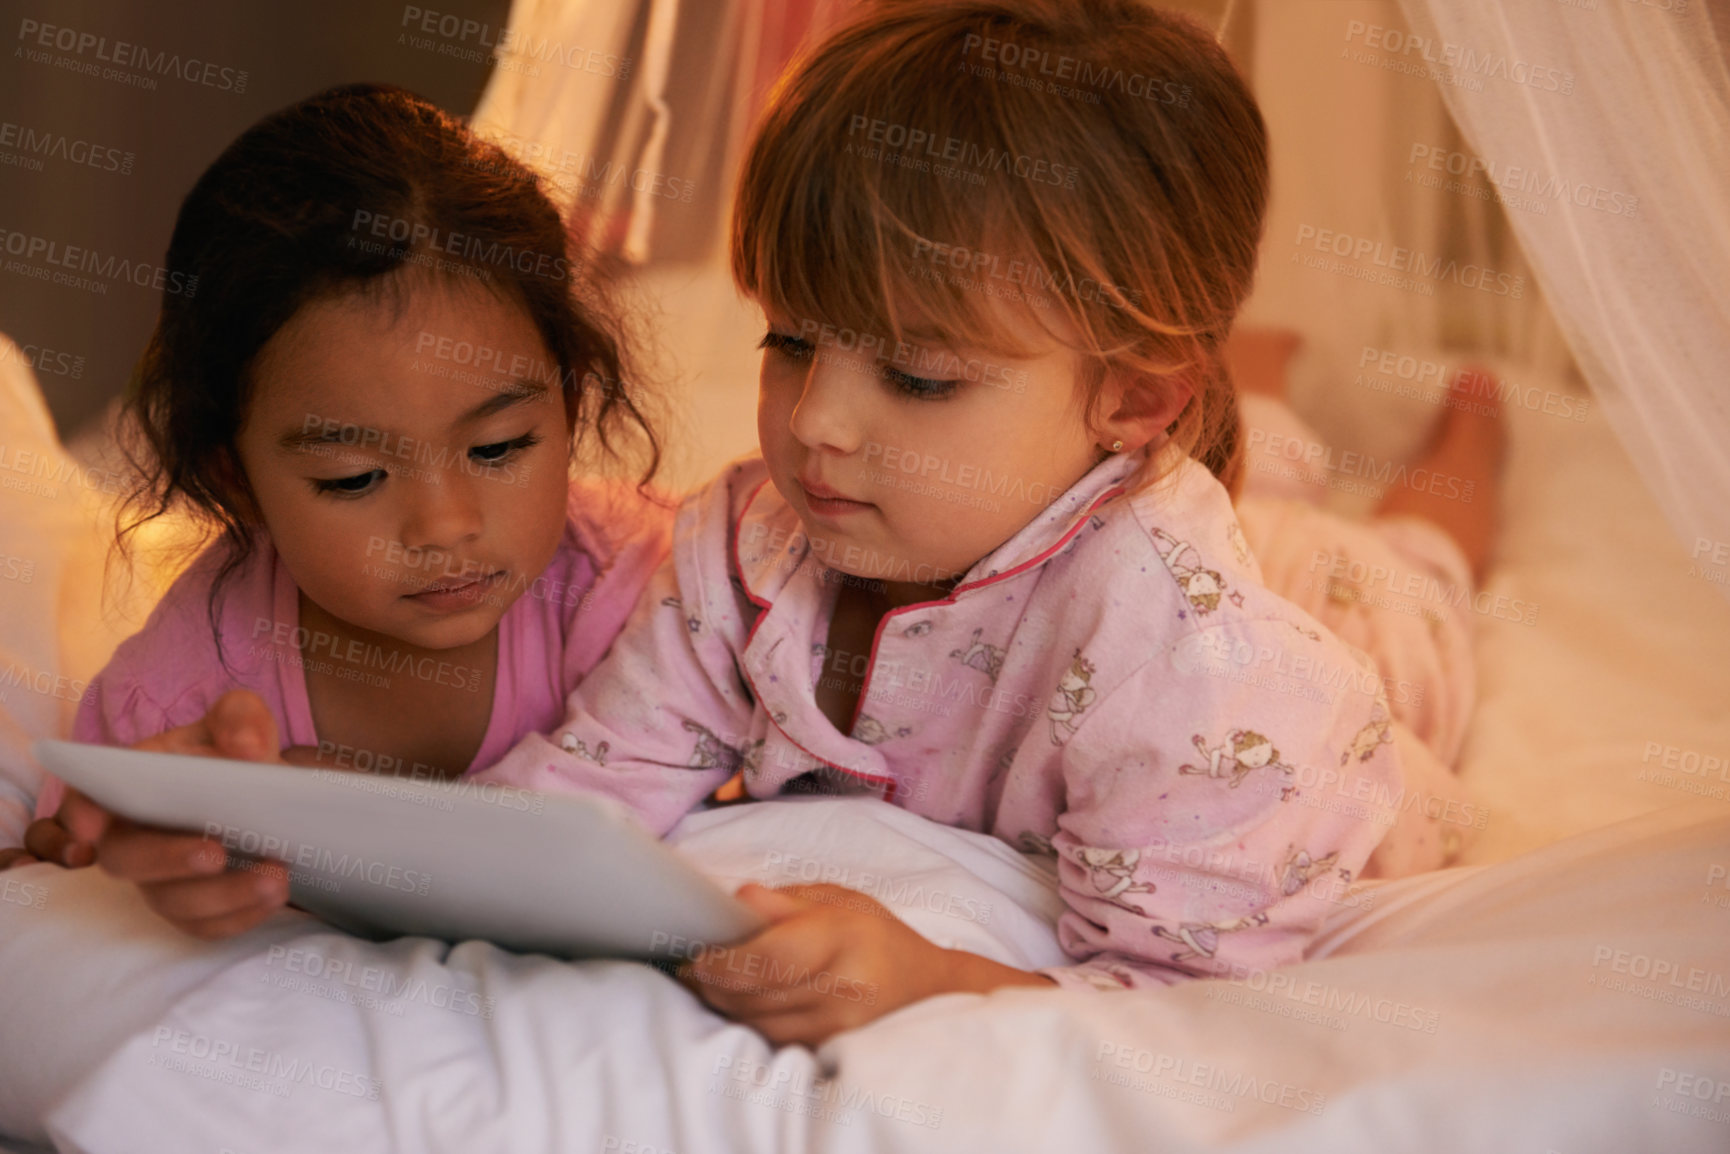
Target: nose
826, 416
442, 509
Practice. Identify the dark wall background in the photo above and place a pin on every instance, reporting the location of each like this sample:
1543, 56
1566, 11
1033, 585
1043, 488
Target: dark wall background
288, 50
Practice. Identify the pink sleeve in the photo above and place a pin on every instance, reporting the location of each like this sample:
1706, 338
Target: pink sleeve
115, 710
1213, 820
626, 536
165, 675
658, 723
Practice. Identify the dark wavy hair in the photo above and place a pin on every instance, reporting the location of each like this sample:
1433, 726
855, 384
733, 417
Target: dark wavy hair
271, 226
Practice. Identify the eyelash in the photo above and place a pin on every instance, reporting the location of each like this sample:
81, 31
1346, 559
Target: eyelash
334, 486
918, 388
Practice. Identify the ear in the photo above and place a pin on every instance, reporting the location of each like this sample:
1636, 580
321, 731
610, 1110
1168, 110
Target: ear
1137, 409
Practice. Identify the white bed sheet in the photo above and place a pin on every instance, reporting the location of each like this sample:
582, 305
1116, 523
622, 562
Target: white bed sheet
1473, 1009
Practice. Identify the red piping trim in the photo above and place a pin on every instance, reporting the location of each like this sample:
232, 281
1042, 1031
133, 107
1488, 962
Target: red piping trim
882, 622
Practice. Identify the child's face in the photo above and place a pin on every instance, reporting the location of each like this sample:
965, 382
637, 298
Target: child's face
934, 471
412, 488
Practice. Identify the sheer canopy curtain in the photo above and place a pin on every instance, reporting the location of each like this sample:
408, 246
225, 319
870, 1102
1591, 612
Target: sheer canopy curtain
1631, 96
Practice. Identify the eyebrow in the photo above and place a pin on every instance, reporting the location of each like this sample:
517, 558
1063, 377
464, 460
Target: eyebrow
331, 433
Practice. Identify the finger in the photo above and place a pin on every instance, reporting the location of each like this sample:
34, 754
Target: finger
735, 996
16, 857
48, 840
232, 924
242, 726
146, 856
801, 1028
82, 818
775, 905
239, 893
309, 755
193, 738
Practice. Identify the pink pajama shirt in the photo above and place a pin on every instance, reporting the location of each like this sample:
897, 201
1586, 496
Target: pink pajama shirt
1112, 686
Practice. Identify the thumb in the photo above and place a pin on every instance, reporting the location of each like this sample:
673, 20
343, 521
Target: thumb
83, 819
241, 727
772, 904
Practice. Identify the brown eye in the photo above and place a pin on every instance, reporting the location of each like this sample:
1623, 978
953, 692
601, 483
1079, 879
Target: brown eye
350, 486
923, 388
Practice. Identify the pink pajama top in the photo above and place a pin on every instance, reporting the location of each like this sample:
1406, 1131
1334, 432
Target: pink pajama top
171, 671
1112, 686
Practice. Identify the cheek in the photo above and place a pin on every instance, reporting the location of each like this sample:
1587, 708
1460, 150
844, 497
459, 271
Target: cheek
775, 402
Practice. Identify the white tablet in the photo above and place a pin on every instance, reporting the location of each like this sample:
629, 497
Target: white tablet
571, 876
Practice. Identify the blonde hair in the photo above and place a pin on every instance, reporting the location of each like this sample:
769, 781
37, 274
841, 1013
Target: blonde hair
1100, 158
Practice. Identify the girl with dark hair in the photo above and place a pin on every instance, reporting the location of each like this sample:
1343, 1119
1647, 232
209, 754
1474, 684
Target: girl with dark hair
371, 399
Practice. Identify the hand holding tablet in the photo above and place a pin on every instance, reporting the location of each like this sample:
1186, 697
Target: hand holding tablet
569, 876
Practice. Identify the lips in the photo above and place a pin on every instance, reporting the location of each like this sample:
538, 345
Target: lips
457, 590
824, 493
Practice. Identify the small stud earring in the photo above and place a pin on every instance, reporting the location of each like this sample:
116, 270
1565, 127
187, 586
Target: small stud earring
1117, 446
